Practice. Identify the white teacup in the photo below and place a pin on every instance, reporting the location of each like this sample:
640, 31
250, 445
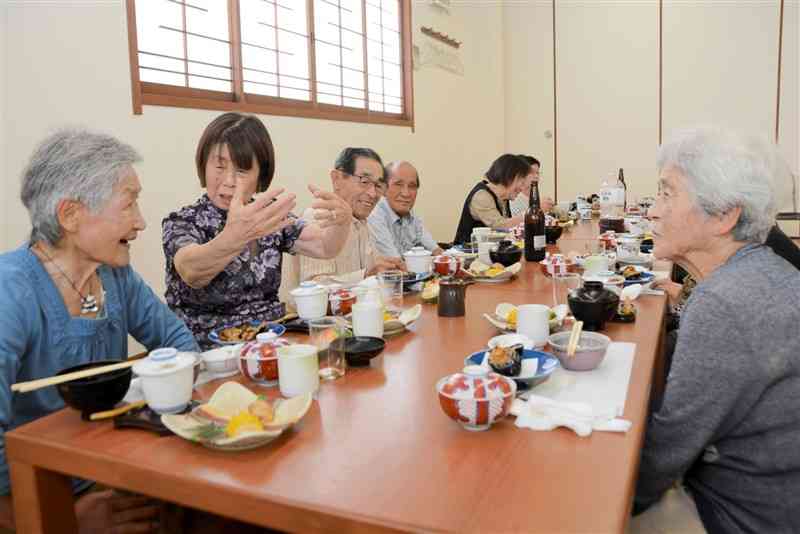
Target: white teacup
533, 322
483, 251
167, 379
368, 319
298, 369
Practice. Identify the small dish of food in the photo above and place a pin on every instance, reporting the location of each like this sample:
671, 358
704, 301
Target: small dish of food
233, 335
237, 419
533, 367
494, 273
222, 362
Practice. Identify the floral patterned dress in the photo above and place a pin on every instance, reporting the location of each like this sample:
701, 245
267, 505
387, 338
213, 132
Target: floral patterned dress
246, 290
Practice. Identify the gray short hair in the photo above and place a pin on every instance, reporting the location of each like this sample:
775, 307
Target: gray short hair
72, 164
724, 170
389, 170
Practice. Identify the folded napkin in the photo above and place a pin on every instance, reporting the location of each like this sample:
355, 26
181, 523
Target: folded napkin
541, 413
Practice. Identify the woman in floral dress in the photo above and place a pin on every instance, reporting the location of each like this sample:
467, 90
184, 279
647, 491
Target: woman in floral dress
224, 251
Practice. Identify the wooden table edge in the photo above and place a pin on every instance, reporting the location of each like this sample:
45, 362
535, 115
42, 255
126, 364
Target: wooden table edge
25, 451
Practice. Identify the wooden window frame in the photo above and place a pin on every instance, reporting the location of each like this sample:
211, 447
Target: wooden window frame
154, 94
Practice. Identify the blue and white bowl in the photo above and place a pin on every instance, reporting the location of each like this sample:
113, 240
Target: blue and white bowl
546, 363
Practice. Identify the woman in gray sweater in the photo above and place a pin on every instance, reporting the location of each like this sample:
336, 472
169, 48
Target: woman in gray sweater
729, 423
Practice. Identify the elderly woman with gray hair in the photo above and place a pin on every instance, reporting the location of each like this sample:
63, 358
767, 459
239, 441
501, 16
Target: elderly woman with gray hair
729, 422
70, 296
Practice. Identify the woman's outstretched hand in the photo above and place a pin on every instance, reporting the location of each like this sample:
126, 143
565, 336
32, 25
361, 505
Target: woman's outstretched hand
267, 213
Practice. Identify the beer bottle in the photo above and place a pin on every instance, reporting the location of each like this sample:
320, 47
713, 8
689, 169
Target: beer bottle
534, 227
624, 191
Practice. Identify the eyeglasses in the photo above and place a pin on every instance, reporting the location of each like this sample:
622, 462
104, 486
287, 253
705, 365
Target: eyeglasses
366, 181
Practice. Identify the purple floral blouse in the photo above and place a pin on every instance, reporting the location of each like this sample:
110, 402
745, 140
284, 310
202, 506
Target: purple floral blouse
246, 290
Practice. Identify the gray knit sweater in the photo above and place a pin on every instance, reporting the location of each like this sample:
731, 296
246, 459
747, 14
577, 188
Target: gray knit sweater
730, 419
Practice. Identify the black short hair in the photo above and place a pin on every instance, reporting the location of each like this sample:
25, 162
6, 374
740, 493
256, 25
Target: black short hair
346, 160
506, 169
246, 138
530, 160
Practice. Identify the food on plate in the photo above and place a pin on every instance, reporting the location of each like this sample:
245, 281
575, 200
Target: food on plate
240, 333
229, 418
263, 409
430, 292
506, 360
478, 267
242, 423
511, 318
630, 272
494, 270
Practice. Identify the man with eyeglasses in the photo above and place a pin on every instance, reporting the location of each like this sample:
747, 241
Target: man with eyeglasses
357, 179
395, 229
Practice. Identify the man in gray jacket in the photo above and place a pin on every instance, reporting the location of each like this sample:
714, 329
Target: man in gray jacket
729, 423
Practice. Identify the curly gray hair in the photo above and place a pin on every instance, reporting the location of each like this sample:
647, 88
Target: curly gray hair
725, 170
75, 164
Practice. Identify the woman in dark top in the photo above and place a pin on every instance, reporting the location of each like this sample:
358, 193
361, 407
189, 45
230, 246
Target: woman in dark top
224, 251
487, 202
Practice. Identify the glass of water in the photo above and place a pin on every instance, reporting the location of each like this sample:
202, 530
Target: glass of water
392, 287
327, 334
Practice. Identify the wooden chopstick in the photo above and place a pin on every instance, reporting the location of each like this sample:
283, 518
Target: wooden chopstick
287, 317
24, 387
574, 336
117, 411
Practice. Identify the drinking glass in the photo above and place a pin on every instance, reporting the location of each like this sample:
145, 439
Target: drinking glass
324, 332
563, 284
392, 287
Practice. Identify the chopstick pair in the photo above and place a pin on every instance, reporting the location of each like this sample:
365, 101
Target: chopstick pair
32, 385
574, 336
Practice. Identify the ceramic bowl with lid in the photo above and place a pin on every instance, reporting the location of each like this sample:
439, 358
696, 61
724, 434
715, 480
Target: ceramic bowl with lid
167, 379
507, 254
418, 260
476, 397
258, 360
311, 300
593, 304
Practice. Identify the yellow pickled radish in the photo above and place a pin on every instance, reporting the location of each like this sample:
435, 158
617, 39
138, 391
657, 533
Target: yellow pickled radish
243, 422
511, 318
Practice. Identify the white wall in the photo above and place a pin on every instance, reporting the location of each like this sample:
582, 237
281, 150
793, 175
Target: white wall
607, 78
721, 64
528, 54
74, 70
719, 67
790, 103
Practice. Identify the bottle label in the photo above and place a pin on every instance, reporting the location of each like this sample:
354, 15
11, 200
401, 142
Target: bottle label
539, 242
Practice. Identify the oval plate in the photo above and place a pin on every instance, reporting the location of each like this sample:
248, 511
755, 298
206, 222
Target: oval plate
643, 278
278, 329
411, 279
232, 397
547, 363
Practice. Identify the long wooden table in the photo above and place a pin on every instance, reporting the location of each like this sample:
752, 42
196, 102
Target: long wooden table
375, 453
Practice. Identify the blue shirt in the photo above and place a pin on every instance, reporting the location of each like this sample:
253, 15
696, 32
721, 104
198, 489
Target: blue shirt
38, 337
394, 235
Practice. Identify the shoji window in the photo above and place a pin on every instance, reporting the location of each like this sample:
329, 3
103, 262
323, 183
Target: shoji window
332, 59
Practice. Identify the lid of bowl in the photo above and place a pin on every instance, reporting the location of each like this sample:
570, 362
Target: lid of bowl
476, 382
308, 289
162, 362
417, 251
593, 291
266, 337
